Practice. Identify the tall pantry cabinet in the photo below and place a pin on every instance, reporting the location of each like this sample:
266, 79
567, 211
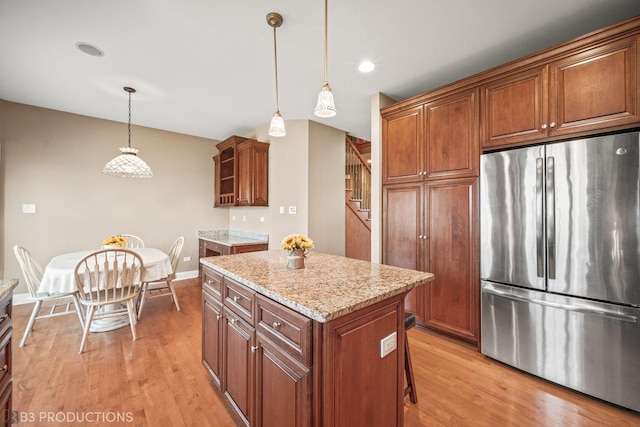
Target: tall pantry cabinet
430, 183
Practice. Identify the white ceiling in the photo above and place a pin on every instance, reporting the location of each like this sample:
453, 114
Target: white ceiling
205, 67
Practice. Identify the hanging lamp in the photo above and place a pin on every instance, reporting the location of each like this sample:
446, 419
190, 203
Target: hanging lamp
325, 106
277, 122
128, 164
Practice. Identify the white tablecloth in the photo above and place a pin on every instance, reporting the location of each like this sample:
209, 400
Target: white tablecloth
58, 274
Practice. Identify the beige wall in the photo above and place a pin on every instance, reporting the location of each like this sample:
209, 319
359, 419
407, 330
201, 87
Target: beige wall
378, 101
54, 160
306, 170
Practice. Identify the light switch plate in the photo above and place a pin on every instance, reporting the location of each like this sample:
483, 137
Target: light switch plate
28, 208
292, 210
388, 344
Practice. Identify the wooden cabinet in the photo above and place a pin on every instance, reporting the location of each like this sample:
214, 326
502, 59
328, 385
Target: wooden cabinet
437, 139
6, 334
283, 366
433, 227
253, 168
238, 364
207, 248
241, 172
592, 90
451, 239
212, 329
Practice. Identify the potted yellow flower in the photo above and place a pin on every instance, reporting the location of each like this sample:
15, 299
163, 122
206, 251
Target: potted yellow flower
298, 245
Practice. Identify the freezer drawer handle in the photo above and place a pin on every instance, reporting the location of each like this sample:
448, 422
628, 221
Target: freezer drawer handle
605, 313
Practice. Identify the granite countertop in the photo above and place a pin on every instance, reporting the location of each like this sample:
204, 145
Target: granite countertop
233, 238
7, 286
329, 287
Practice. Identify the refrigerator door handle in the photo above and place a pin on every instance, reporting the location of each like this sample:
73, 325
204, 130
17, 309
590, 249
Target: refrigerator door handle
539, 213
551, 219
598, 311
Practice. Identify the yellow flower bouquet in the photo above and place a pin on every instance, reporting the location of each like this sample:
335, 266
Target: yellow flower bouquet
296, 241
115, 241
297, 245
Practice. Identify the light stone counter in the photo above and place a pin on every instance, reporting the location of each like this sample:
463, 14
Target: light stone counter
6, 286
329, 287
233, 238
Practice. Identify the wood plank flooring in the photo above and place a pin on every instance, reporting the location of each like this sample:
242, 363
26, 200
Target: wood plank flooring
159, 379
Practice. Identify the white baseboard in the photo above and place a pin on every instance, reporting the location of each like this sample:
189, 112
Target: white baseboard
19, 299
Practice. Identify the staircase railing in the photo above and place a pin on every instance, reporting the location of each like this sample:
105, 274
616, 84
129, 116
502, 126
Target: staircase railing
358, 176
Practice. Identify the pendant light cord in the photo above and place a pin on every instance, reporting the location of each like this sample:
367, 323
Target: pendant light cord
129, 123
275, 55
326, 38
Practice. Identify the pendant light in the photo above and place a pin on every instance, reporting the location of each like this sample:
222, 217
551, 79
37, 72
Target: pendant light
325, 106
128, 164
277, 122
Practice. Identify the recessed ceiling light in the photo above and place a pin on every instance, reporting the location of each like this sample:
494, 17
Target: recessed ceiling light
90, 49
366, 66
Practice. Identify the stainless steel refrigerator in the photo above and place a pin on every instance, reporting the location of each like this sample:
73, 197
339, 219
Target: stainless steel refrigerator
560, 263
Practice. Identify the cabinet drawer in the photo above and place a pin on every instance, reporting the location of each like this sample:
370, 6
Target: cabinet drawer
291, 331
212, 282
5, 315
215, 249
239, 299
5, 358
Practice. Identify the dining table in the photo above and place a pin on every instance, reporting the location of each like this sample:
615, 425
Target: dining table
59, 277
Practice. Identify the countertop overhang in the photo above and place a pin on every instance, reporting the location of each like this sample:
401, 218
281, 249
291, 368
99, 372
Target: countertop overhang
233, 238
329, 287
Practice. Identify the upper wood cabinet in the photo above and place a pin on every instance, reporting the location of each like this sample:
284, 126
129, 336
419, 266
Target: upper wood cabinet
591, 90
242, 172
403, 145
438, 139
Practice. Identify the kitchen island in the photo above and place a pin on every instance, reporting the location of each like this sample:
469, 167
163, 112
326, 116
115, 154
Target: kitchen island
319, 346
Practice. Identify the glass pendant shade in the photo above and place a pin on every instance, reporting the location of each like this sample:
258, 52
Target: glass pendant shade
325, 106
277, 125
128, 165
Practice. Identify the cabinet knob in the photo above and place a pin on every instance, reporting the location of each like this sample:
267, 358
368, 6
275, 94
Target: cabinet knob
236, 298
233, 321
218, 317
420, 236
5, 317
276, 325
4, 368
254, 348
553, 124
544, 126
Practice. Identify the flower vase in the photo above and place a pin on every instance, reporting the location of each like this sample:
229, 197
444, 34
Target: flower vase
295, 259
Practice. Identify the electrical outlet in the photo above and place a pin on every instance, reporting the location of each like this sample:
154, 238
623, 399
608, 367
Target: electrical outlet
388, 344
292, 210
29, 208
186, 259
282, 209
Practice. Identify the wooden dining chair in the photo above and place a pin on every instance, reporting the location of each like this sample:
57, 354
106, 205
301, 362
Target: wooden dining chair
164, 287
32, 273
133, 241
108, 283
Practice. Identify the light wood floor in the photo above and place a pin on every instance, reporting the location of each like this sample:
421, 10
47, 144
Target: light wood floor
159, 380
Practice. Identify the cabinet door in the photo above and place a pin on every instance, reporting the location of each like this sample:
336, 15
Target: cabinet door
212, 336
452, 231
253, 175
403, 236
403, 146
595, 89
452, 135
238, 364
260, 178
244, 176
514, 108
283, 388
